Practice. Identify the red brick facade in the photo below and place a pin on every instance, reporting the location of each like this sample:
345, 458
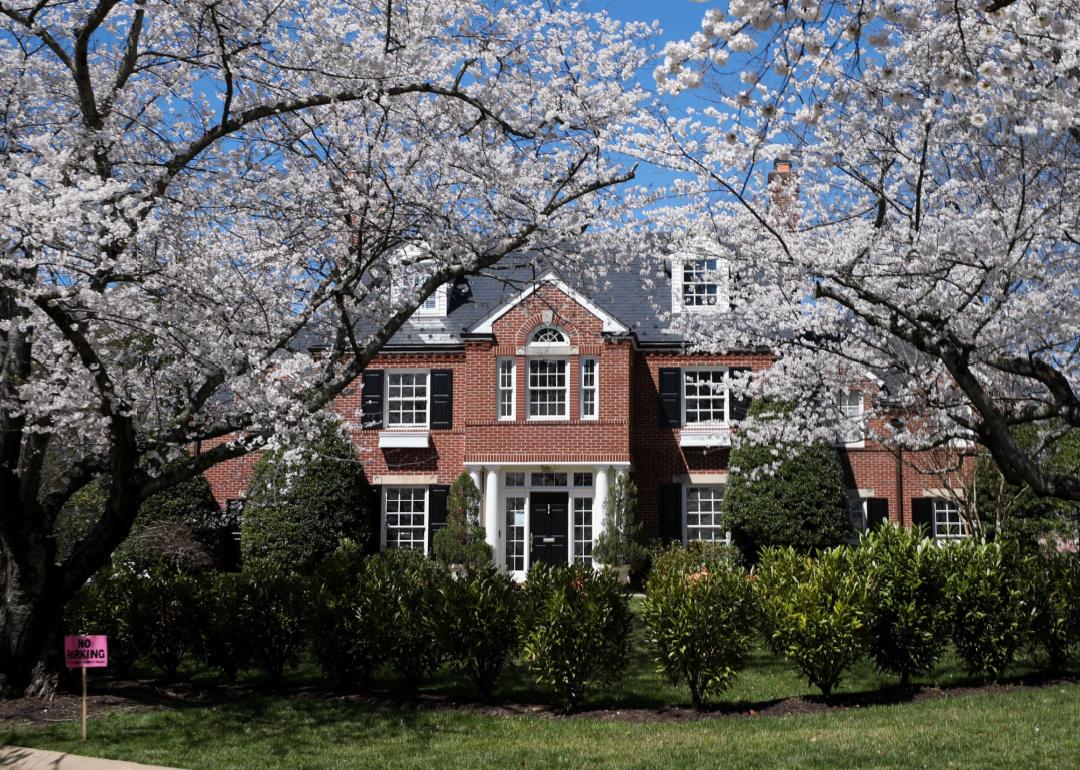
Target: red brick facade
627, 432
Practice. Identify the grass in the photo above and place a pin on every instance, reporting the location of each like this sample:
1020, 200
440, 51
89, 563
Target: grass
1020, 727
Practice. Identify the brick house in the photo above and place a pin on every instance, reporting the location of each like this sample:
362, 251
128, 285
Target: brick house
544, 391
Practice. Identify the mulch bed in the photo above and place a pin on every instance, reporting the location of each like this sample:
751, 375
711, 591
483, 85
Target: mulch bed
119, 696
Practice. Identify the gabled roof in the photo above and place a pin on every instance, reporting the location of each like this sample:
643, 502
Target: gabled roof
611, 324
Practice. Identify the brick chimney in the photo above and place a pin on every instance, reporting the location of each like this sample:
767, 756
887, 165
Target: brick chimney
784, 191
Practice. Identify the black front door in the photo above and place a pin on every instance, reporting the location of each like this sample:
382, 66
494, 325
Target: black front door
548, 516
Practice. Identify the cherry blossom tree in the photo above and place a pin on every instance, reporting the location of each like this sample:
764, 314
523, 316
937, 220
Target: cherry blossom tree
895, 184
188, 188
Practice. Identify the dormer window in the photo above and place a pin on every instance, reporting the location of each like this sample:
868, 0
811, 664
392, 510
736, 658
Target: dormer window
701, 286
409, 276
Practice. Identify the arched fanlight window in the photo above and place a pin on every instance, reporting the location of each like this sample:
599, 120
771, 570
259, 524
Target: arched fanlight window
548, 335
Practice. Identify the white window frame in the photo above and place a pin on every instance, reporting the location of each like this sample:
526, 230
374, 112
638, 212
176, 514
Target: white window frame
847, 398
594, 388
727, 395
940, 504
514, 493
689, 264
726, 539
857, 508
385, 519
427, 408
500, 389
565, 416
582, 494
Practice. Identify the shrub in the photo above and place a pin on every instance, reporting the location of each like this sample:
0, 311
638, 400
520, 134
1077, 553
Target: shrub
162, 615
990, 610
223, 638
812, 611
404, 588
700, 612
622, 541
477, 623
461, 541
273, 604
1054, 593
345, 625
104, 606
296, 516
785, 496
907, 618
575, 625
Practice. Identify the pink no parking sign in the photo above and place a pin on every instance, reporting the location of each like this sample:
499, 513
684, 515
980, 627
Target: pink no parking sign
86, 651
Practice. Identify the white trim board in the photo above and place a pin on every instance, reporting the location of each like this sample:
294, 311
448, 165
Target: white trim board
610, 323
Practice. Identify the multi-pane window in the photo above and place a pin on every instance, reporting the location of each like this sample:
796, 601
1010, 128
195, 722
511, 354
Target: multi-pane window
549, 336
582, 479
857, 514
407, 399
703, 513
406, 517
700, 284
547, 388
515, 533
548, 479
851, 409
705, 396
583, 530
590, 406
506, 388
515, 479
948, 525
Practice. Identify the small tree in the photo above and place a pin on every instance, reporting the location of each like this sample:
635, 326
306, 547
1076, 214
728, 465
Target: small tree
622, 540
462, 540
785, 496
296, 516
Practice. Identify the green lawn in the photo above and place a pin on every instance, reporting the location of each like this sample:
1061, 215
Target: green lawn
1022, 727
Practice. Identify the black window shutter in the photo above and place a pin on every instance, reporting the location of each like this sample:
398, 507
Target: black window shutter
437, 495
373, 503
741, 405
442, 398
877, 511
670, 410
372, 399
922, 514
671, 515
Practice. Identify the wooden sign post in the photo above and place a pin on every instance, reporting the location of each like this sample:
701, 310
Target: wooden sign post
86, 652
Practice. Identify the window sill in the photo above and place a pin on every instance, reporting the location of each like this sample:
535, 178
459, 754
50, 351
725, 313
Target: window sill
418, 438
705, 436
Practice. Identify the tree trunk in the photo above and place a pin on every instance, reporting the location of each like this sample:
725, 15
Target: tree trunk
30, 628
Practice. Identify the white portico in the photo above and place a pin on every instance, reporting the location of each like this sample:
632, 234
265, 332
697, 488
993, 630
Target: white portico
536, 513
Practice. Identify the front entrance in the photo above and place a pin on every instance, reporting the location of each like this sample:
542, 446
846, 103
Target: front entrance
548, 517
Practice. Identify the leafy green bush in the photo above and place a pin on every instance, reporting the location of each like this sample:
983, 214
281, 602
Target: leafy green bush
461, 541
785, 496
907, 615
346, 625
273, 603
1054, 594
575, 625
296, 516
104, 606
700, 611
990, 608
405, 589
622, 541
812, 611
478, 624
163, 615
223, 638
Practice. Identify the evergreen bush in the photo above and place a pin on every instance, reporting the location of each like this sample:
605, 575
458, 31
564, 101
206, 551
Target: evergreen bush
273, 605
461, 541
575, 627
700, 612
622, 541
296, 515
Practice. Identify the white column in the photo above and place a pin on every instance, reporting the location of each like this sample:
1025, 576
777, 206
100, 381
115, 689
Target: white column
600, 494
474, 474
492, 525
